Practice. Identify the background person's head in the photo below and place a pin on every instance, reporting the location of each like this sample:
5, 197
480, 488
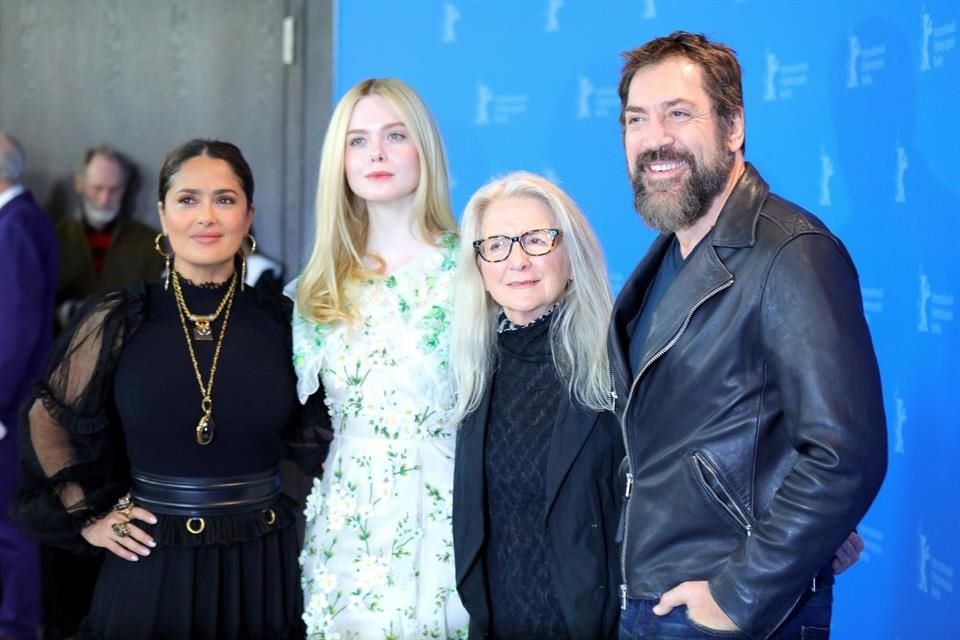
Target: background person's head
12, 160
101, 184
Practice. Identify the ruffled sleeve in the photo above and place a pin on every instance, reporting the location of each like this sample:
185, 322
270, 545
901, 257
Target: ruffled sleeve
309, 434
307, 357
73, 464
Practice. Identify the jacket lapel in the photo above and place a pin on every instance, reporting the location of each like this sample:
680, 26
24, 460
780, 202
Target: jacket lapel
472, 485
625, 310
571, 430
698, 281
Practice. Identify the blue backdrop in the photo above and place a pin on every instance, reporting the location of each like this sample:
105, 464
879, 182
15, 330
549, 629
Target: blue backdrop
851, 111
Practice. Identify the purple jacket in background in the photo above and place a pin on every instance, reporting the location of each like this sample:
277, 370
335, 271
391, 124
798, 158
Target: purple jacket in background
28, 281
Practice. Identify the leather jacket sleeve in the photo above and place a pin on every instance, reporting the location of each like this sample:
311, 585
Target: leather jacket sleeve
821, 369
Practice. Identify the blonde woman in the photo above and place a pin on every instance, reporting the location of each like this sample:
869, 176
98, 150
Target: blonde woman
372, 325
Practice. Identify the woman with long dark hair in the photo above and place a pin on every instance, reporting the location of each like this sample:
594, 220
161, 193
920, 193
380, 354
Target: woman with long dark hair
156, 432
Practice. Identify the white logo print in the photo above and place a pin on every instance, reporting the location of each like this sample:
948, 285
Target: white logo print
450, 16
936, 41
497, 109
826, 172
553, 6
936, 309
935, 576
899, 421
925, 43
782, 80
853, 79
595, 102
650, 10
872, 301
583, 99
773, 65
864, 63
900, 195
484, 97
924, 583
924, 325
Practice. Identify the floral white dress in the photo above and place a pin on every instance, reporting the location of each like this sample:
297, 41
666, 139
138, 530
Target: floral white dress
377, 559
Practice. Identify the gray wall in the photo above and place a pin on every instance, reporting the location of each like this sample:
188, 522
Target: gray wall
146, 75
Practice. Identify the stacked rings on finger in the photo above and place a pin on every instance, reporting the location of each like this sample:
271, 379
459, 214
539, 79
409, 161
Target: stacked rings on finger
121, 529
124, 505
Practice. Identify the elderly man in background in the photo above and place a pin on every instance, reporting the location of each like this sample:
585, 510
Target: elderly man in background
100, 247
28, 276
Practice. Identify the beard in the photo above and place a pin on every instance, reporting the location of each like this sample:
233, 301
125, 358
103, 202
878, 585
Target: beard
99, 217
674, 204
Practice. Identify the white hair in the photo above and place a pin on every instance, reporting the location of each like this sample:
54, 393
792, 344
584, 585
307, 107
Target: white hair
12, 159
577, 333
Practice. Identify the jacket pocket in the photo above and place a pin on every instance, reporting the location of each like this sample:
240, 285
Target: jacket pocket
717, 491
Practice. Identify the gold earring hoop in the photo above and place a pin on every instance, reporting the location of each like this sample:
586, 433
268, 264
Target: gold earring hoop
166, 258
243, 258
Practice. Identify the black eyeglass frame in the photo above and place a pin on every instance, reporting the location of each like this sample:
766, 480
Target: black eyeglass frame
554, 234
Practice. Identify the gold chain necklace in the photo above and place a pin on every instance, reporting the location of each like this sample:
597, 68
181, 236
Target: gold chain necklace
202, 330
205, 425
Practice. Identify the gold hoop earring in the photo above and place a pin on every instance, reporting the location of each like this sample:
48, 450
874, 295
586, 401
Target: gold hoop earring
243, 258
166, 258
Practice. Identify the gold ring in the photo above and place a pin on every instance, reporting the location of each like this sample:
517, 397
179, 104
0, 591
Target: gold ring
196, 525
270, 515
121, 529
124, 505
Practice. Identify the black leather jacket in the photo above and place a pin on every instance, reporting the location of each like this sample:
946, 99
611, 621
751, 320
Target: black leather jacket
754, 427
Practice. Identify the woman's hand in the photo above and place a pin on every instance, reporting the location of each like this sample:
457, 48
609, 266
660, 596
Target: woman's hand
116, 533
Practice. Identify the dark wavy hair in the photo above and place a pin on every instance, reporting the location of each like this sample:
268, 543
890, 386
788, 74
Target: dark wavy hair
722, 75
218, 149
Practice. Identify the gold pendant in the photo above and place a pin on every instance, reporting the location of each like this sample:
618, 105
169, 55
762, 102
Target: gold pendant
202, 331
205, 430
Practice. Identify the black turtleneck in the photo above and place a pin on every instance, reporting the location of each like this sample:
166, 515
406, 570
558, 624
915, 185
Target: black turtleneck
525, 394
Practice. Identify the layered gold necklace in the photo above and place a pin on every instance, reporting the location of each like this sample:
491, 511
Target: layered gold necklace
204, 428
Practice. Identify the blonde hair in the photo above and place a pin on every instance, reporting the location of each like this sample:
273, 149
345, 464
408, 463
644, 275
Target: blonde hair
341, 219
577, 333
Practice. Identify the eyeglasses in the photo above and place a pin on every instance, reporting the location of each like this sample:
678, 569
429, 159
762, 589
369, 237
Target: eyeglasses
537, 242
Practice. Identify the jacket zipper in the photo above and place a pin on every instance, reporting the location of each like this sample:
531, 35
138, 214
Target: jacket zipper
626, 443
727, 501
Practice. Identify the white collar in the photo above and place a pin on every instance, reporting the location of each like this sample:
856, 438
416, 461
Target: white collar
10, 194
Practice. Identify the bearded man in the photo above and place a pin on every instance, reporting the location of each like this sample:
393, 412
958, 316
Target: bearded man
745, 376
100, 246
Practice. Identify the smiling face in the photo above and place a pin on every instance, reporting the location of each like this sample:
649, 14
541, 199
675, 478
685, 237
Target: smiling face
679, 156
525, 286
381, 161
205, 214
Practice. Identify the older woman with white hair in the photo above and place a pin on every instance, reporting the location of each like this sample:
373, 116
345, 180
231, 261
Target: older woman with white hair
535, 492
536, 487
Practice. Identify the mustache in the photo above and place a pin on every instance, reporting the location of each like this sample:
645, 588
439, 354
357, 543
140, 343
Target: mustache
661, 154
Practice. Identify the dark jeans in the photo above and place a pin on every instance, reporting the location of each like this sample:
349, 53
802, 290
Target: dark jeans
810, 620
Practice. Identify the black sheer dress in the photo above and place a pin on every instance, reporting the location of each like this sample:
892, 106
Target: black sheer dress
121, 397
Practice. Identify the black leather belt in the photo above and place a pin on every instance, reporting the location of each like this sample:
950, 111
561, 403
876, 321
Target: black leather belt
179, 496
